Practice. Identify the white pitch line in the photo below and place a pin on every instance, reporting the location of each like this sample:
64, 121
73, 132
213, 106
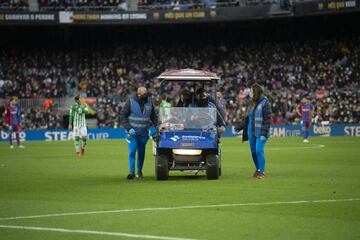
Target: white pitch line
118, 234
277, 148
180, 207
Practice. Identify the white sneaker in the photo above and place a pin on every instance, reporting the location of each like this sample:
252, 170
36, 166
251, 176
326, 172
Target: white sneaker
11, 146
306, 141
21, 146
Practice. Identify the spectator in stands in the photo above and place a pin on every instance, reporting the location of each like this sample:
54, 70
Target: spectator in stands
18, 5
48, 102
326, 72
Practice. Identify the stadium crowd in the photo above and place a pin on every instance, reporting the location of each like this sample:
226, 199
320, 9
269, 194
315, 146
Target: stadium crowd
38, 118
198, 4
87, 5
17, 5
327, 72
32, 73
122, 5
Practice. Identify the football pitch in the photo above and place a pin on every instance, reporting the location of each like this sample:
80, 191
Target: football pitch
312, 192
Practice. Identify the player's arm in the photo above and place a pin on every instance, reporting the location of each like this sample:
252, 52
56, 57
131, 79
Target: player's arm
7, 117
71, 118
85, 108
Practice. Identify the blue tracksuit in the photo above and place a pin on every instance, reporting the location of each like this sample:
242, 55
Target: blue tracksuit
256, 129
137, 115
136, 144
257, 142
256, 147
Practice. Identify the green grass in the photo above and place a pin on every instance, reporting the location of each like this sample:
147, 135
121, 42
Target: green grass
46, 178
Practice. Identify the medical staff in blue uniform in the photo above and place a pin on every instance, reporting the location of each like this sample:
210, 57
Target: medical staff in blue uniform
256, 128
137, 115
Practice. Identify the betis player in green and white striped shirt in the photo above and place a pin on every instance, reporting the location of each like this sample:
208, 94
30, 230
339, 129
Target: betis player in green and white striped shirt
77, 123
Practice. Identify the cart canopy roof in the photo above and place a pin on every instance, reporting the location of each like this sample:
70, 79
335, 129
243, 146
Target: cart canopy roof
188, 75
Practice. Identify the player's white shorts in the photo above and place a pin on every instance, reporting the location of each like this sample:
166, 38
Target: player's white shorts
80, 132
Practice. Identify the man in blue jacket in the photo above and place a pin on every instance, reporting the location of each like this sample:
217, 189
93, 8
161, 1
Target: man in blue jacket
202, 99
136, 117
256, 128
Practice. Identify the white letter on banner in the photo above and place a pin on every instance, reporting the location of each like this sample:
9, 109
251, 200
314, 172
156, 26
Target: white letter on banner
278, 131
346, 130
275, 132
48, 136
352, 131
106, 135
4, 135
22, 136
281, 132
56, 138
63, 136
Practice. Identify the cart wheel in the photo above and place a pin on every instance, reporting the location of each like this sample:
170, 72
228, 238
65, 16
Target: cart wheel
161, 167
212, 167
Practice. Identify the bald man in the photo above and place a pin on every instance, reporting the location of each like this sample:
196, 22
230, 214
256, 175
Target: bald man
137, 116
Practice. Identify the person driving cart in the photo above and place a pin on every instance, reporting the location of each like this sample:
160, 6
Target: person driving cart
203, 100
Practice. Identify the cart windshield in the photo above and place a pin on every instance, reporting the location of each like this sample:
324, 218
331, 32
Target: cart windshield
187, 118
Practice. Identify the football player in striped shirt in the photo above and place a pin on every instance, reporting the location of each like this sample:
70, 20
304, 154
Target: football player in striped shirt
77, 123
305, 110
13, 121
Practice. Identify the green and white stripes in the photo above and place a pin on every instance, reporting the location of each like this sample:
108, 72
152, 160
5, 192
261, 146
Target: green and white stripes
77, 115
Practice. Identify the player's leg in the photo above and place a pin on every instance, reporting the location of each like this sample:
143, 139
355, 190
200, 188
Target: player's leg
10, 132
142, 140
84, 142
252, 142
260, 144
77, 146
76, 133
83, 135
307, 127
16, 130
303, 130
17, 138
132, 148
